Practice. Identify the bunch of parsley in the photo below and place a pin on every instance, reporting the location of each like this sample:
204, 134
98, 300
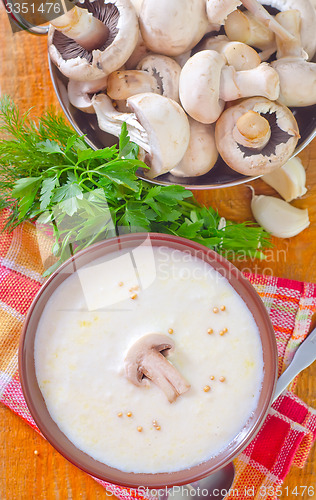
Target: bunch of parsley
50, 175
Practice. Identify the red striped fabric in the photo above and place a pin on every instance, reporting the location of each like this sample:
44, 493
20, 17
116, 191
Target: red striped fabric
289, 430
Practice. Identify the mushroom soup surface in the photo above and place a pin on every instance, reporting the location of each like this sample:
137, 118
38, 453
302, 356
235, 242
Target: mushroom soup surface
85, 335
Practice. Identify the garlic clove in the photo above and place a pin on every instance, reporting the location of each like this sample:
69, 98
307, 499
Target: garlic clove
289, 180
279, 217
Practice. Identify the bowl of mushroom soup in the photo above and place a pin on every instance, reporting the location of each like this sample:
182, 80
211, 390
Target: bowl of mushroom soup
138, 341
172, 86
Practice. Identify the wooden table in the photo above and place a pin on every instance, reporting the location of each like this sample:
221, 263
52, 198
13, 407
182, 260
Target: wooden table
29, 467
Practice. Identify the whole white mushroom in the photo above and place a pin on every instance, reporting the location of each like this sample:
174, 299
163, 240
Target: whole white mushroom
201, 155
206, 83
308, 20
297, 76
171, 27
156, 123
237, 54
256, 136
81, 51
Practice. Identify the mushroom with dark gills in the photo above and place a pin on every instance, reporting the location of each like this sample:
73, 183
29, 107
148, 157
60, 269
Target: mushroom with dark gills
154, 73
166, 71
256, 136
146, 360
95, 39
80, 93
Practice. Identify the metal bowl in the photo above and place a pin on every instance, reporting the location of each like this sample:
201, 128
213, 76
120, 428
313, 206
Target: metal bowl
219, 177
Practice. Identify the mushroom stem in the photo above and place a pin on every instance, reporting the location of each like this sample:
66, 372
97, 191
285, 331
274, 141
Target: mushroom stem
252, 130
297, 76
110, 120
147, 358
241, 56
284, 136
244, 27
83, 27
291, 20
124, 84
267, 53
164, 375
157, 124
236, 54
265, 18
206, 83
262, 80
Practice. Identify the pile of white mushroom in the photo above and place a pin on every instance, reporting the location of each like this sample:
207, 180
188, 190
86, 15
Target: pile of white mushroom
186, 92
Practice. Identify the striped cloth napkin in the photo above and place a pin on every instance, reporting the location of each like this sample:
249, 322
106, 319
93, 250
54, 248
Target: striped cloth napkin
289, 430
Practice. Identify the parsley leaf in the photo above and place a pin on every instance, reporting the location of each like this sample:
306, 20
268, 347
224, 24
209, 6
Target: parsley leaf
48, 147
46, 193
50, 173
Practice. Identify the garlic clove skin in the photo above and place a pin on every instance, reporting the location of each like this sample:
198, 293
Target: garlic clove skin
278, 217
289, 180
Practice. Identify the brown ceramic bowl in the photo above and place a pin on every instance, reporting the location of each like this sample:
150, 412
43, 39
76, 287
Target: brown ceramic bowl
37, 404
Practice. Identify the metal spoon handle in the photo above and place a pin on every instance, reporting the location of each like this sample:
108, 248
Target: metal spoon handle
304, 356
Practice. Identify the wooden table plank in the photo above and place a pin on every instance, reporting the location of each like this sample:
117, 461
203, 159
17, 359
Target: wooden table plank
24, 475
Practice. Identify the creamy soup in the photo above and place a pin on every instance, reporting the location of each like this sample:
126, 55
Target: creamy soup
87, 330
